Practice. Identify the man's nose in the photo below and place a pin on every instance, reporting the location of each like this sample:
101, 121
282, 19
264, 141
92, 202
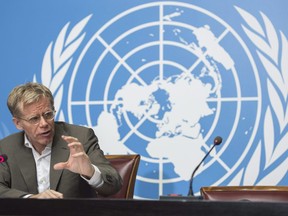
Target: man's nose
43, 121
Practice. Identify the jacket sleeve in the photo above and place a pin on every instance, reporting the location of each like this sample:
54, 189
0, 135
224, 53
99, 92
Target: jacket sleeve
12, 184
112, 180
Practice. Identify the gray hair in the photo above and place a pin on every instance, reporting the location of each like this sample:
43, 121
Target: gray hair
25, 94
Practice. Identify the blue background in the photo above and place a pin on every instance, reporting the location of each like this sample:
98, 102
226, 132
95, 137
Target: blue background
28, 26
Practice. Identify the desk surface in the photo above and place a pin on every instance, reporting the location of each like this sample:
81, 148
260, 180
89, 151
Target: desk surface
105, 207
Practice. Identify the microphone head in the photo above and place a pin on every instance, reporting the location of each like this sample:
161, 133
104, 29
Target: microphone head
3, 158
217, 140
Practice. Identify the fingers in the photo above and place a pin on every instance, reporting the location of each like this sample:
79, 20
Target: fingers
73, 144
79, 154
59, 166
48, 194
69, 139
54, 194
78, 161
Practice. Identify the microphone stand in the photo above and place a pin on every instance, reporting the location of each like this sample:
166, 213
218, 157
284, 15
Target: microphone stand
190, 192
190, 195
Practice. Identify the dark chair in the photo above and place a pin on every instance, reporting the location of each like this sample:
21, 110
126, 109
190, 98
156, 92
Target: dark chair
246, 193
127, 166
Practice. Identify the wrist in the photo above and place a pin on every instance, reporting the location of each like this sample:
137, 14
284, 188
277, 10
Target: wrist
91, 173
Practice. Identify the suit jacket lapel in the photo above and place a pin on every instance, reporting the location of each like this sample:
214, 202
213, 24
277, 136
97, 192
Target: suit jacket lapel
26, 163
60, 153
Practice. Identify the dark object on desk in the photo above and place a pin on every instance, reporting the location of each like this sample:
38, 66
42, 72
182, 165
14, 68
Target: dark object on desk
246, 193
127, 167
180, 198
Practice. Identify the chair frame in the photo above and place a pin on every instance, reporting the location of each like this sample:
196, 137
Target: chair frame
245, 193
129, 193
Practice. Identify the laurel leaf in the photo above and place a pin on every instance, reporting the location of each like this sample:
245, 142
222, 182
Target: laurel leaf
286, 115
70, 50
63, 52
278, 172
75, 32
4, 132
284, 62
272, 38
273, 73
276, 105
58, 48
61, 116
258, 41
46, 71
280, 149
58, 98
268, 134
60, 60
237, 179
253, 167
34, 78
58, 78
251, 21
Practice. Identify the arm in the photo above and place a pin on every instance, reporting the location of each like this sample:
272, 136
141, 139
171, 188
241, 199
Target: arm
5, 181
84, 152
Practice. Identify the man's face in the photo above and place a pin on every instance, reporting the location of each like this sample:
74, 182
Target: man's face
42, 133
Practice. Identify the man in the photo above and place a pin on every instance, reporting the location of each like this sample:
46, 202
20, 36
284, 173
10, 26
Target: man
50, 159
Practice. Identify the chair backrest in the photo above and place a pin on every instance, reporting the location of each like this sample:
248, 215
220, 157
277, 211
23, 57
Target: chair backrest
127, 167
246, 193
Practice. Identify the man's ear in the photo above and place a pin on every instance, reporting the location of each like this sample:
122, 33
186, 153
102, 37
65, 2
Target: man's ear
17, 123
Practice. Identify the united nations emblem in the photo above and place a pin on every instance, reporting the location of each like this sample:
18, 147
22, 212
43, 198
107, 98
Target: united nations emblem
162, 79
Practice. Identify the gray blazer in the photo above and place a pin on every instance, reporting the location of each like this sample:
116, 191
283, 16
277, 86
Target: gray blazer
18, 174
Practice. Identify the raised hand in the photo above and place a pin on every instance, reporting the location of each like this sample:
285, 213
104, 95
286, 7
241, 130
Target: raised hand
78, 161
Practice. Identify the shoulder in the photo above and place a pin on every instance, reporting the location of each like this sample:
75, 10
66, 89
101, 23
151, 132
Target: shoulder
84, 134
68, 127
12, 140
72, 130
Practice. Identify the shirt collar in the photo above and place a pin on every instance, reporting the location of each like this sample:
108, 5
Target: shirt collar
28, 144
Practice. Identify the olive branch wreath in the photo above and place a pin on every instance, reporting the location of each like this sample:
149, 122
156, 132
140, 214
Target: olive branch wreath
57, 60
273, 54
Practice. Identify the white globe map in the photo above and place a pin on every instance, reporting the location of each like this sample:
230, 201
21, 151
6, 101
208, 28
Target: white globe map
175, 105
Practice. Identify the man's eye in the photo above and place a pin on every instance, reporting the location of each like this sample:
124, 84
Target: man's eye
49, 115
34, 119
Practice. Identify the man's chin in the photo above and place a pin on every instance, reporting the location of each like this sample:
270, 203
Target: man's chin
46, 140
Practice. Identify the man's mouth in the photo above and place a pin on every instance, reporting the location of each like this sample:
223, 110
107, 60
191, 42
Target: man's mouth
47, 133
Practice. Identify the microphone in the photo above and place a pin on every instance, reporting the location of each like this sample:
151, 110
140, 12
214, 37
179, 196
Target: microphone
3, 158
217, 141
190, 196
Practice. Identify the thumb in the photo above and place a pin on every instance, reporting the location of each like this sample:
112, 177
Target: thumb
59, 166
